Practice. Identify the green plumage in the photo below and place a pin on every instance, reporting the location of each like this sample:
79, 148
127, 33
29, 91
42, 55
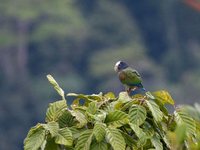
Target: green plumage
130, 77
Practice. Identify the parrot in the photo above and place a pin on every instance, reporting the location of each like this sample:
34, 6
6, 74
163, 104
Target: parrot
129, 77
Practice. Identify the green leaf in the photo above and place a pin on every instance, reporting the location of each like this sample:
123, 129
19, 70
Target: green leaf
93, 97
117, 118
52, 127
96, 97
124, 97
117, 105
182, 117
109, 95
181, 131
92, 108
148, 129
42, 147
100, 116
64, 137
56, 86
129, 104
140, 134
81, 96
99, 146
84, 141
51, 145
35, 138
155, 140
115, 138
55, 110
80, 117
75, 131
166, 140
162, 107
137, 114
66, 119
194, 112
164, 97
149, 95
155, 110
99, 131
130, 141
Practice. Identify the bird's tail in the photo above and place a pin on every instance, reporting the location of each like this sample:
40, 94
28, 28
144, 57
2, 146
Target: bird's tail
140, 86
139, 90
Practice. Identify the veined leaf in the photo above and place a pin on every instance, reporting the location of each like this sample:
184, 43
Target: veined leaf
100, 116
79, 97
52, 127
148, 129
80, 117
194, 112
164, 97
182, 118
124, 97
42, 147
166, 140
162, 107
35, 138
115, 138
137, 114
96, 97
155, 110
93, 97
99, 146
155, 140
92, 108
56, 86
109, 95
76, 132
84, 141
51, 145
129, 139
82, 96
117, 105
129, 104
99, 131
139, 133
117, 118
64, 137
55, 110
181, 133
66, 119
149, 95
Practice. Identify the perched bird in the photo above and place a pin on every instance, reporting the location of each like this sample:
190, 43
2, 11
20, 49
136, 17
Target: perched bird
128, 77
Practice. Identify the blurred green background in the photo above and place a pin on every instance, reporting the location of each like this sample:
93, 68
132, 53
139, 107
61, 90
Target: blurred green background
78, 42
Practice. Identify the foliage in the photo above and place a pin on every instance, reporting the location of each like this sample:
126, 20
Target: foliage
104, 122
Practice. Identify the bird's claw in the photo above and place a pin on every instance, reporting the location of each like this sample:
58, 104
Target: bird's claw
131, 89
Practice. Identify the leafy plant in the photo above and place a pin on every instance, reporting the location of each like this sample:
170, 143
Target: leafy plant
106, 122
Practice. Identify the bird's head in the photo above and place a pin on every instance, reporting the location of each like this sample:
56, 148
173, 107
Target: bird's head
120, 65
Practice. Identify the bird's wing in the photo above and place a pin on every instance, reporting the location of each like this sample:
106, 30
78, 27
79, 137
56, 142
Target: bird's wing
130, 77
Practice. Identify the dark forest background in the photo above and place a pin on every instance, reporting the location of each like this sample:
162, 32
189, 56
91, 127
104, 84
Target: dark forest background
78, 42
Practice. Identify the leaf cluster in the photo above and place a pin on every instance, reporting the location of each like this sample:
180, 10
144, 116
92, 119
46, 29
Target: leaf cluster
106, 122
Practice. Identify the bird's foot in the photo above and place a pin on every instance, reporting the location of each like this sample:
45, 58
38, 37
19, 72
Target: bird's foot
129, 90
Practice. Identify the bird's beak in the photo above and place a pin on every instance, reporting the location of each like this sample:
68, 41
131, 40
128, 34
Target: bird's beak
116, 68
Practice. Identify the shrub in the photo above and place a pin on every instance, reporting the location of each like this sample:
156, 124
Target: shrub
106, 122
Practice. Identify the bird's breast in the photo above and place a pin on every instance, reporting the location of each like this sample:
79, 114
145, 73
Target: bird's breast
122, 76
